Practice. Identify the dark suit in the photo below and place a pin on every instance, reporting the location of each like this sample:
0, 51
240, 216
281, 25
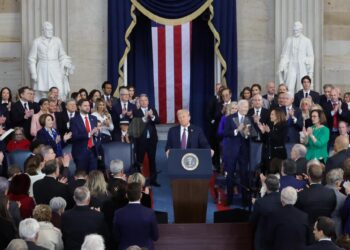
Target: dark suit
84, 157
323, 245
316, 201
147, 142
32, 246
273, 102
301, 165
264, 118
17, 117
294, 127
62, 122
78, 222
323, 101
135, 224
47, 188
4, 112
337, 160
236, 150
300, 95
262, 208
291, 181
287, 229
44, 137
196, 138
117, 114
112, 100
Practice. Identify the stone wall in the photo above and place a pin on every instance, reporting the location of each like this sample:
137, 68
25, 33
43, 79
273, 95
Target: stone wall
10, 44
336, 55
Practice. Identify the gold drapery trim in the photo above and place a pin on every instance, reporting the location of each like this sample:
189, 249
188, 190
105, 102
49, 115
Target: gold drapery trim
166, 21
216, 47
127, 49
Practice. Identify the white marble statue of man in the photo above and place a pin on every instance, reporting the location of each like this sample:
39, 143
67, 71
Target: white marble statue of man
297, 59
49, 64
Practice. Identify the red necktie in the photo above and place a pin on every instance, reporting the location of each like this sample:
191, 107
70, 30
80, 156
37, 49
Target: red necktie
88, 129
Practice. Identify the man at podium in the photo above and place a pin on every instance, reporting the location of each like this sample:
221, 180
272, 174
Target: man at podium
185, 135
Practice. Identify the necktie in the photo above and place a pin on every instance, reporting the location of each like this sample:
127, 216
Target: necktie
88, 129
25, 106
183, 140
306, 95
335, 117
257, 112
124, 106
70, 115
242, 119
108, 98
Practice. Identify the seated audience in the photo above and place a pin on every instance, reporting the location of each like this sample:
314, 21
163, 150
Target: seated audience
49, 236
57, 205
29, 231
341, 146
81, 220
334, 180
316, 200
146, 197
324, 230
98, 188
135, 224
18, 141
288, 172
263, 207
19, 191
298, 154
8, 229
287, 227
93, 242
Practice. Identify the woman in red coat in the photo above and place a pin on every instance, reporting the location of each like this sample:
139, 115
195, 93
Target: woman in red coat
18, 142
19, 191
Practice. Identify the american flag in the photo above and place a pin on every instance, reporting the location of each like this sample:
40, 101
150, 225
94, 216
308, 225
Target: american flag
171, 47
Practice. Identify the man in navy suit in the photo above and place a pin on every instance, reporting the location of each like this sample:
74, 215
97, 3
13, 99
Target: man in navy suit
147, 142
185, 135
237, 131
294, 118
306, 92
135, 224
107, 95
122, 109
84, 127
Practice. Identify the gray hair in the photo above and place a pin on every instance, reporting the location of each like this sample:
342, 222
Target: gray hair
334, 175
300, 149
57, 203
4, 185
93, 242
241, 102
138, 178
71, 100
81, 194
45, 150
289, 196
28, 229
17, 244
116, 166
272, 183
134, 247
289, 95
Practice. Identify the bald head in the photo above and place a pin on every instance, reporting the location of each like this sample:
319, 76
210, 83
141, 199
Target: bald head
341, 143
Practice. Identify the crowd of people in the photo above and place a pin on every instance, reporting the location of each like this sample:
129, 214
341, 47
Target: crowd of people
43, 206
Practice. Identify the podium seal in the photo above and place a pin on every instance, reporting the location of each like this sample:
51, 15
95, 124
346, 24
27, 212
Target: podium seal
190, 161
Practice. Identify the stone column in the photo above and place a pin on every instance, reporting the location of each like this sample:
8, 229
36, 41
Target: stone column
34, 13
310, 13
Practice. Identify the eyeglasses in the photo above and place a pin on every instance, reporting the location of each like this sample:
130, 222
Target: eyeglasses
18, 134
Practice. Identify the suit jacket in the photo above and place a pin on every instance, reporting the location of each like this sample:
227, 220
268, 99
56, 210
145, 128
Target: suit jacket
45, 138
323, 101
316, 201
32, 246
80, 137
196, 138
344, 116
294, 128
150, 125
287, 229
117, 111
78, 222
264, 118
270, 203
290, 180
135, 224
323, 245
47, 188
300, 95
301, 165
337, 213
62, 122
4, 112
337, 160
17, 117
274, 101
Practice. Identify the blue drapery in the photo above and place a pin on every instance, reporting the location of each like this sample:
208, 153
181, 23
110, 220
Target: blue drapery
140, 68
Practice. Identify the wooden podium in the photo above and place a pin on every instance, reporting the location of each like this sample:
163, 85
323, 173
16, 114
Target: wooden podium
190, 171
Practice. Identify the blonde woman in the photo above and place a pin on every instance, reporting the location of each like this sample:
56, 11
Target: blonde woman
145, 198
104, 116
98, 188
305, 107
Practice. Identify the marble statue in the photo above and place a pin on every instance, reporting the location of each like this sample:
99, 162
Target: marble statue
49, 65
297, 59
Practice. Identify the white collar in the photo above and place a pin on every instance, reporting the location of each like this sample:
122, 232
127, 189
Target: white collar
135, 202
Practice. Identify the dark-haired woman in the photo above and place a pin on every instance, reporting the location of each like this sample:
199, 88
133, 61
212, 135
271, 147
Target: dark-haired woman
8, 231
49, 136
19, 191
317, 137
273, 136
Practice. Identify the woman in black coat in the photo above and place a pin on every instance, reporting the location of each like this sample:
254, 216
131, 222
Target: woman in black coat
8, 230
274, 136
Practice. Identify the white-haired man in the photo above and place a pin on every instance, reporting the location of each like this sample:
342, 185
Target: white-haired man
288, 226
294, 118
29, 231
297, 154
